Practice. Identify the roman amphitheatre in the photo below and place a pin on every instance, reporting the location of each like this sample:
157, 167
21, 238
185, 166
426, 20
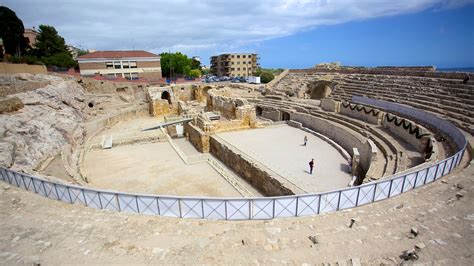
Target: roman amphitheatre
96, 171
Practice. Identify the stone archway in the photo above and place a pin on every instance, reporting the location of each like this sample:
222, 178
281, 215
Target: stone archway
166, 96
319, 89
285, 116
258, 110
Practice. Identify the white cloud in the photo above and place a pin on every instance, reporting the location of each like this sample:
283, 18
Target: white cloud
196, 25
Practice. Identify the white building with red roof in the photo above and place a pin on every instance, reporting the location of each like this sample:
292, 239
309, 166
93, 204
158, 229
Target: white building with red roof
123, 64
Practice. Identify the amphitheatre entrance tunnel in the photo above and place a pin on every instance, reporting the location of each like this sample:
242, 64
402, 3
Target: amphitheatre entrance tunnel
165, 95
319, 89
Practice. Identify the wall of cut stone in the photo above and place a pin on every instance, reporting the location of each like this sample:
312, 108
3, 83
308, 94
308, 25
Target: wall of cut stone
183, 92
270, 113
112, 119
260, 179
330, 105
197, 137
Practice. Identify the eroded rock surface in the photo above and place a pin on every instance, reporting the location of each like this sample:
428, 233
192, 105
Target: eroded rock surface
51, 117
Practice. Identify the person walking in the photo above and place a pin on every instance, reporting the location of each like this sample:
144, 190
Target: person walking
305, 140
311, 165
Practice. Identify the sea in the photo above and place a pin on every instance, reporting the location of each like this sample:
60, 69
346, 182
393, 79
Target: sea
457, 69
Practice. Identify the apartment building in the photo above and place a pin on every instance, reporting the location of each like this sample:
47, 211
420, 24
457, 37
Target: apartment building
234, 65
30, 36
124, 64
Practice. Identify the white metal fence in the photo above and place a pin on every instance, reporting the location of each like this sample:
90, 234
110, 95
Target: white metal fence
244, 208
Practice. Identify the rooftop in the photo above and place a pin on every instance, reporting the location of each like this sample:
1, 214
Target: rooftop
117, 54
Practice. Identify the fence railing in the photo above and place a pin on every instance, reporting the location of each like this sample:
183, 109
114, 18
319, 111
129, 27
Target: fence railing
238, 208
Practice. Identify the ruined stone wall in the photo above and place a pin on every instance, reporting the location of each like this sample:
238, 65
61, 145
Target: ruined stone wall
197, 137
270, 113
361, 112
232, 125
330, 105
265, 182
201, 92
159, 107
183, 92
113, 118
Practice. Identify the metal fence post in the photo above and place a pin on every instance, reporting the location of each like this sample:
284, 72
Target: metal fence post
56, 189
136, 202
273, 215
44, 187
403, 184
225, 209
375, 191
338, 200
296, 208
357, 197
69, 193
100, 201
118, 202
84, 196
444, 168
390, 189
416, 179
202, 208
319, 204
250, 209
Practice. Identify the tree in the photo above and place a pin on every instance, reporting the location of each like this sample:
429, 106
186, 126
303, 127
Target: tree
195, 64
12, 32
176, 64
194, 73
51, 48
266, 76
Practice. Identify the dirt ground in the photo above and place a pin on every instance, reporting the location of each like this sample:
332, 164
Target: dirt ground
153, 168
39, 230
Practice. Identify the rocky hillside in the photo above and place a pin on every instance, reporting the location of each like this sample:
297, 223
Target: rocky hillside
50, 117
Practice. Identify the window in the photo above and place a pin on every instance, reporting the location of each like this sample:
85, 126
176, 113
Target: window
231, 63
109, 65
126, 64
117, 65
250, 69
243, 68
238, 69
238, 63
232, 56
133, 64
243, 56
232, 69
238, 56
127, 76
250, 62
250, 56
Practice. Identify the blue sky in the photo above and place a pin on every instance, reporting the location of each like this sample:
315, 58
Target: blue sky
444, 38
286, 33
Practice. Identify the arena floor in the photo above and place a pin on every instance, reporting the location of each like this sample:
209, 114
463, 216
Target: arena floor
281, 149
153, 168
